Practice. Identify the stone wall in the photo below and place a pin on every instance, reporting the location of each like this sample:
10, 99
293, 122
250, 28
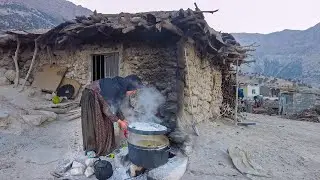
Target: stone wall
78, 62
303, 101
297, 102
205, 86
156, 64
6, 59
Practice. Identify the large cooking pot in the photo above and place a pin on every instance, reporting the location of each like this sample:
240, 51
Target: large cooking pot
148, 145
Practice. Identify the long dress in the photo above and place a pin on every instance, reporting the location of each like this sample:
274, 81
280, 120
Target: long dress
97, 121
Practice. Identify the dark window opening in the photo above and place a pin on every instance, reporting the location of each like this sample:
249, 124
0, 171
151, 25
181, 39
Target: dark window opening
105, 65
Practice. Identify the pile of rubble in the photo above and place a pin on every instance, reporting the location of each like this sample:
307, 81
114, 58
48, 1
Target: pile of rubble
264, 106
310, 115
7, 77
82, 166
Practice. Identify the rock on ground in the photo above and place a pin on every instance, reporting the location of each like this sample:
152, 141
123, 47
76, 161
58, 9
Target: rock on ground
3, 115
48, 97
38, 117
4, 81
173, 170
49, 116
89, 172
2, 72
22, 81
90, 162
78, 171
76, 164
4, 121
63, 166
77, 168
10, 75
35, 120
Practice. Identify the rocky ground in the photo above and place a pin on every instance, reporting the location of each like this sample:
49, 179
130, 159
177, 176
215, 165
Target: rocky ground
286, 149
32, 152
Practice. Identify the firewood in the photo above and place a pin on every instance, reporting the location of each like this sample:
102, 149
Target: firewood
60, 110
72, 117
31, 65
72, 27
169, 26
128, 29
61, 105
209, 11
15, 59
75, 110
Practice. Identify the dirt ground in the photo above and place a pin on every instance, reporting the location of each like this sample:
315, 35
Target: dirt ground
286, 149
28, 152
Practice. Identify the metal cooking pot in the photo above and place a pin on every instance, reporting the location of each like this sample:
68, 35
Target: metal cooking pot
102, 169
147, 144
147, 135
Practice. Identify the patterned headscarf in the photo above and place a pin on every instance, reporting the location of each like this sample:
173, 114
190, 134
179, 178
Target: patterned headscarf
133, 82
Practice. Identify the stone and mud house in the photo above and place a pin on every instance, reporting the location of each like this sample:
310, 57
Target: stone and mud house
175, 51
293, 101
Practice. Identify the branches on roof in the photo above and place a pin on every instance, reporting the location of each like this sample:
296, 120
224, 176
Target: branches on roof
182, 23
198, 10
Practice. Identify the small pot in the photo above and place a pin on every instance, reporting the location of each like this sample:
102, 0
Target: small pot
102, 169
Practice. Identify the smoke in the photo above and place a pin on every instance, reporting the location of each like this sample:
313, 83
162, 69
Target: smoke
144, 105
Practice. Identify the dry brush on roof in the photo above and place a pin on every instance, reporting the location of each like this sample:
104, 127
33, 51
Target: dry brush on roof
182, 23
100, 27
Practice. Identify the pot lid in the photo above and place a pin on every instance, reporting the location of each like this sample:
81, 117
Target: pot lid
147, 128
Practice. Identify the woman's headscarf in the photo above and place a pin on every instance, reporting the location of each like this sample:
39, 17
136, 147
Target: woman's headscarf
114, 89
133, 82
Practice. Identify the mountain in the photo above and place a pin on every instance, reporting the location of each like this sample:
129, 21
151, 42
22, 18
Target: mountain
37, 14
289, 54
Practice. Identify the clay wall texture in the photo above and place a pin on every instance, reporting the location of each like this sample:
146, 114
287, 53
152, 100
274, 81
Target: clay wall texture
156, 64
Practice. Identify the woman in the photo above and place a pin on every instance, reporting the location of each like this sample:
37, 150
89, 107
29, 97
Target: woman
100, 108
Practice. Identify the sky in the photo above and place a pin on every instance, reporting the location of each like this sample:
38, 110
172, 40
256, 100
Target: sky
251, 16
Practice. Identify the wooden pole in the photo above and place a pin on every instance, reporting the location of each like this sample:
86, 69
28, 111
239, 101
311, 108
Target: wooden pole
15, 59
32, 62
236, 103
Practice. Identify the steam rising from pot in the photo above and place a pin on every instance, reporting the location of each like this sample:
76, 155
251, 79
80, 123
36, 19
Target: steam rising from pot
144, 105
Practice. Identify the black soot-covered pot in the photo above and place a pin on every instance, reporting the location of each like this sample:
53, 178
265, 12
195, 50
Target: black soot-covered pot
102, 169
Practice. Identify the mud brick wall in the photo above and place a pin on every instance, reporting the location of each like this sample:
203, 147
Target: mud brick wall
156, 65
205, 86
78, 62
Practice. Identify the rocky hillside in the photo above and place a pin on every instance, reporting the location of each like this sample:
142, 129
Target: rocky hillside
37, 14
289, 54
